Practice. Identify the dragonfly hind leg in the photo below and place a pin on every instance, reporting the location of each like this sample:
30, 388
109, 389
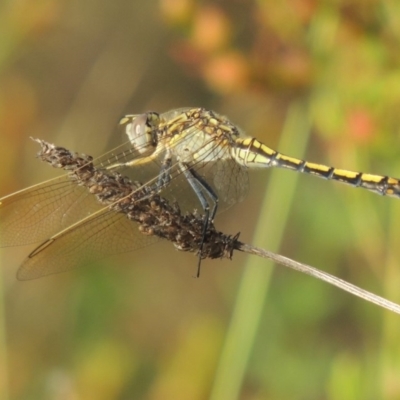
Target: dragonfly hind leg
201, 187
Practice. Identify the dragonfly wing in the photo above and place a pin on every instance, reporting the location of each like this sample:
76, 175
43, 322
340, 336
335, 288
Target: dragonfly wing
96, 237
231, 181
38, 212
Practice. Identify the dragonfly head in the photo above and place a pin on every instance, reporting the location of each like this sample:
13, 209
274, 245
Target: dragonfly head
141, 130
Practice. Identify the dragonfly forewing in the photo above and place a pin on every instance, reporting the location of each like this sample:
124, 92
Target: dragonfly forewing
36, 213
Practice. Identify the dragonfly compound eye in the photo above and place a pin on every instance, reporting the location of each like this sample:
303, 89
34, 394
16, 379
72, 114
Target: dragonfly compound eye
139, 133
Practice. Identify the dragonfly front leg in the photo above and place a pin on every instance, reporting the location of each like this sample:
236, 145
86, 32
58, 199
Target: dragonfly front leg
133, 163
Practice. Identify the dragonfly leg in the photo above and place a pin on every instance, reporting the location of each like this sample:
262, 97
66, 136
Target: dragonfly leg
200, 186
133, 163
208, 190
165, 176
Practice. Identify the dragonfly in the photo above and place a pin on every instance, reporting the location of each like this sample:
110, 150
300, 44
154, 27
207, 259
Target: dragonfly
192, 156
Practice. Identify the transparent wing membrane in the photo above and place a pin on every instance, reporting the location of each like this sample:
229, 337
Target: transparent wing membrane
40, 211
102, 235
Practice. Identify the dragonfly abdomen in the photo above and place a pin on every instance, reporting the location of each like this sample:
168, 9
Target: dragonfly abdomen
380, 184
251, 153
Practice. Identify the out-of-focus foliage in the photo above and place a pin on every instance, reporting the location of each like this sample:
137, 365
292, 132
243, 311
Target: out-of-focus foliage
69, 70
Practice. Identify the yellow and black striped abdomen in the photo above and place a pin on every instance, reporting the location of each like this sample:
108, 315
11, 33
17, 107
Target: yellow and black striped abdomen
251, 153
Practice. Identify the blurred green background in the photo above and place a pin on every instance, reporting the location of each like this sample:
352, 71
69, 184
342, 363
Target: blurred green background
313, 79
